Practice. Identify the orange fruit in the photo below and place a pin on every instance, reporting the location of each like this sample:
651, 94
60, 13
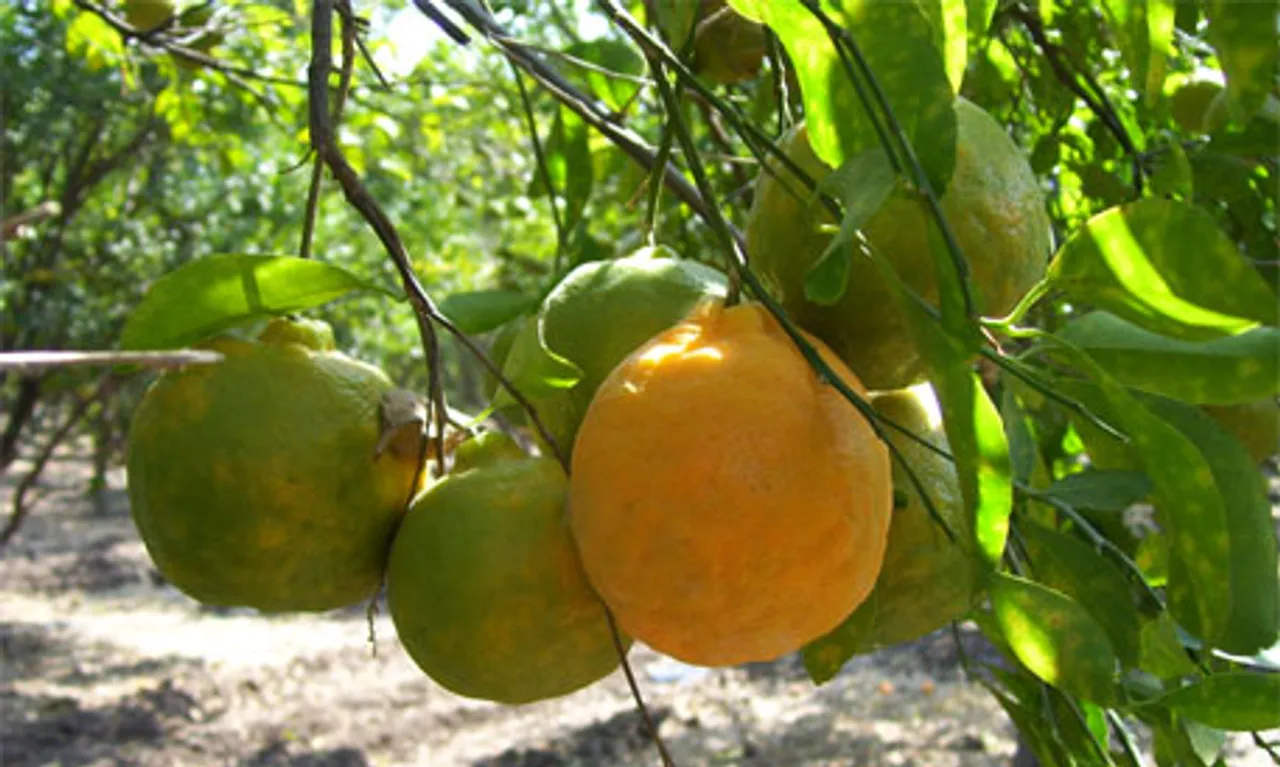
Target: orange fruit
484, 585
253, 482
729, 505
993, 204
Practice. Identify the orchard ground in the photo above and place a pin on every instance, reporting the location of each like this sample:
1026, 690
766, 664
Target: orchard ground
102, 663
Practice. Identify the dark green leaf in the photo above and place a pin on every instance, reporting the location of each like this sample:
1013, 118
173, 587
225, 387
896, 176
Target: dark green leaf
1245, 37
1102, 490
568, 157
1162, 653
675, 18
479, 311
1166, 266
1190, 104
863, 184
1055, 638
1189, 504
1066, 564
1221, 371
1254, 623
1237, 702
209, 295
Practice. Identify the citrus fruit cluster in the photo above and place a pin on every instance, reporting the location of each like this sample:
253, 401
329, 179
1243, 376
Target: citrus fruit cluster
727, 498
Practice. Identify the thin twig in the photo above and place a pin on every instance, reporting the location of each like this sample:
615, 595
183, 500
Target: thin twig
1098, 102
593, 113
34, 360
544, 172
425, 310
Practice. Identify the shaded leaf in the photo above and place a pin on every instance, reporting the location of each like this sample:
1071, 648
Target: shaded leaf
1254, 622
479, 311
209, 295
1162, 653
1055, 638
1245, 37
1238, 701
1166, 266
863, 184
1076, 569
615, 56
1101, 490
1220, 371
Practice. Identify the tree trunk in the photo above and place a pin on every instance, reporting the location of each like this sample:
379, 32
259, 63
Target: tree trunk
24, 406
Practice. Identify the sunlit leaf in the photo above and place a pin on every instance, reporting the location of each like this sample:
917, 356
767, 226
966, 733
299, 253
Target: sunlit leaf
1220, 371
1236, 701
903, 49
1166, 266
1054, 637
209, 295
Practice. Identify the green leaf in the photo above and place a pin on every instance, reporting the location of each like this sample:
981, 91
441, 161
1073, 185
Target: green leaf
209, 295
1103, 490
862, 184
1055, 638
979, 15
1254, 622
1188, 502
1173, 174
904, 50
675, 18
1144, 30
1166, 266
1220, 371
1066, 564
479, 311
614, 56
568, 157
1162, 653
1245, 37
1237, 702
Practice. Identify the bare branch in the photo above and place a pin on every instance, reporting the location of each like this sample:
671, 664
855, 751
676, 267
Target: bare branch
34, 360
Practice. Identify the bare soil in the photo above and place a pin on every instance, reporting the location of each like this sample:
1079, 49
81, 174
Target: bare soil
103, 663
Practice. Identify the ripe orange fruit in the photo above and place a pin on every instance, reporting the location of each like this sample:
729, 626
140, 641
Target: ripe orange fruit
993, 204
485, 588
927, 580
729, 505
253, 482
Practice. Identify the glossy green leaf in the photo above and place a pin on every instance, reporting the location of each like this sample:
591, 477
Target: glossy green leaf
1101, 490
479, 311
1055, 638
1254, 622
1219, 371
1245, 37
209, 295
862, 184
1076, 569
1237, 702
1166, 266
906, 53
1187, 500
